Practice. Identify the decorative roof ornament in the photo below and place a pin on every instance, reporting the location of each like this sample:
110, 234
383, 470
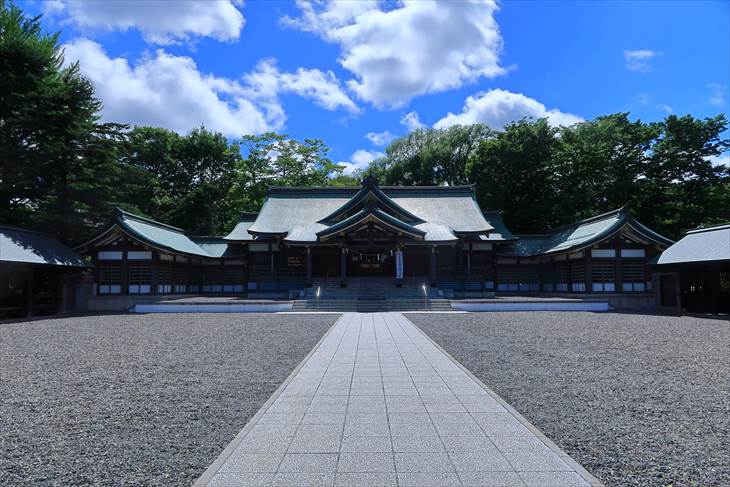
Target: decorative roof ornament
370, 181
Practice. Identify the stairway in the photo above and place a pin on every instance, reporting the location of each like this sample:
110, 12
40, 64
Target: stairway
370, 294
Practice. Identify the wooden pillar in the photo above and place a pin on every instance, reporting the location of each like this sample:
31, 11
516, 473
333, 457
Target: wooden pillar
495, 280
589, 277
246, 270
155, 273
125, 274
308, 280
343, 267
432, 267
618, 281
271, 260
29, 293
468, 260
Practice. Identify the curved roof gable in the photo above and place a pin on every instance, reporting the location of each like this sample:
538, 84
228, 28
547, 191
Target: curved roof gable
299, 214
375, 215
370, 194
152, 233
577, 236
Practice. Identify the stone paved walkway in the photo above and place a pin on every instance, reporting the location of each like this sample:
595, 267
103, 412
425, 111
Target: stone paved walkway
377, 403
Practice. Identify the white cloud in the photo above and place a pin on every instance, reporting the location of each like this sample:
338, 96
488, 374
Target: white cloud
159, 21
416, 48
411, 121
717, 95
380, 138
169, 91
360, 159
496, 108
638, 59
322, 87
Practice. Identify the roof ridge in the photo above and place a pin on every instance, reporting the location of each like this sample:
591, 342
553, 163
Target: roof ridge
28, 230
719, 226
461, 187
592, 219
144, 219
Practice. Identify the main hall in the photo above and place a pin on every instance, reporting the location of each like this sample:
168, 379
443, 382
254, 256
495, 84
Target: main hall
435, 235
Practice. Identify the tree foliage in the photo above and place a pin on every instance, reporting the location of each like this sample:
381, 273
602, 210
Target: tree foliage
59, 167
277, 160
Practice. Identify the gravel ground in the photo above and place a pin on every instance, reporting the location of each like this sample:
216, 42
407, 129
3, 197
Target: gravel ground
639, 400
137, 399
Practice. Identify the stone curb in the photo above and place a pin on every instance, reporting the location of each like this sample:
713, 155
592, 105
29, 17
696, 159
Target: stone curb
210, 472
579, 469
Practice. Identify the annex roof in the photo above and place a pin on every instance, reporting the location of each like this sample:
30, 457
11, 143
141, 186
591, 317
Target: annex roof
160, 236
29, 247
240, 231
583, 234
709, 244
499, 232
302, 215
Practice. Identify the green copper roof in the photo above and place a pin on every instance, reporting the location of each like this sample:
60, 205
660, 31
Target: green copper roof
163, 237
240, 231
374, 214
710, 244
299, 214
582, 234
29, 247
500, 232
371, 194
158, 234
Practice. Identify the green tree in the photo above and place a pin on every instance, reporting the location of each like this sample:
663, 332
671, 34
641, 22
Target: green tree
512, 172
682, 187
188, 178
276, 160
598, 165
431, 156
58, 165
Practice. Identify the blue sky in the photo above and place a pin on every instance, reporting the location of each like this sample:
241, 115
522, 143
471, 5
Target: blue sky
339, 71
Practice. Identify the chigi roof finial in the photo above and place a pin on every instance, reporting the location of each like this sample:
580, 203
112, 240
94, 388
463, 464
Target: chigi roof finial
370, 181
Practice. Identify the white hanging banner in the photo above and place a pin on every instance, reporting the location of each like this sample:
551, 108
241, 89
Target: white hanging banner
399, 265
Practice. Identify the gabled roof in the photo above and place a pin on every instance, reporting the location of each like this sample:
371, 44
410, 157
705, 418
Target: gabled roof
29, 247
155, 234
240, 231
370, 194
711, 244
298, 215
375, 215
577, 236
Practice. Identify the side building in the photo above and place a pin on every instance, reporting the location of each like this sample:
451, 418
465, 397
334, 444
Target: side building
334, 236
695, 271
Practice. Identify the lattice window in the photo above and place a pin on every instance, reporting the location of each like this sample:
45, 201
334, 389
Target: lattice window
213, 279
164, 279
110, 278
180, 278
561, 278
603, 276
233, 279
578, 277
140, 277
519, 278
633, 276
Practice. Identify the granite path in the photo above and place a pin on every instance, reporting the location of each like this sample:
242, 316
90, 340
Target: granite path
378, 403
